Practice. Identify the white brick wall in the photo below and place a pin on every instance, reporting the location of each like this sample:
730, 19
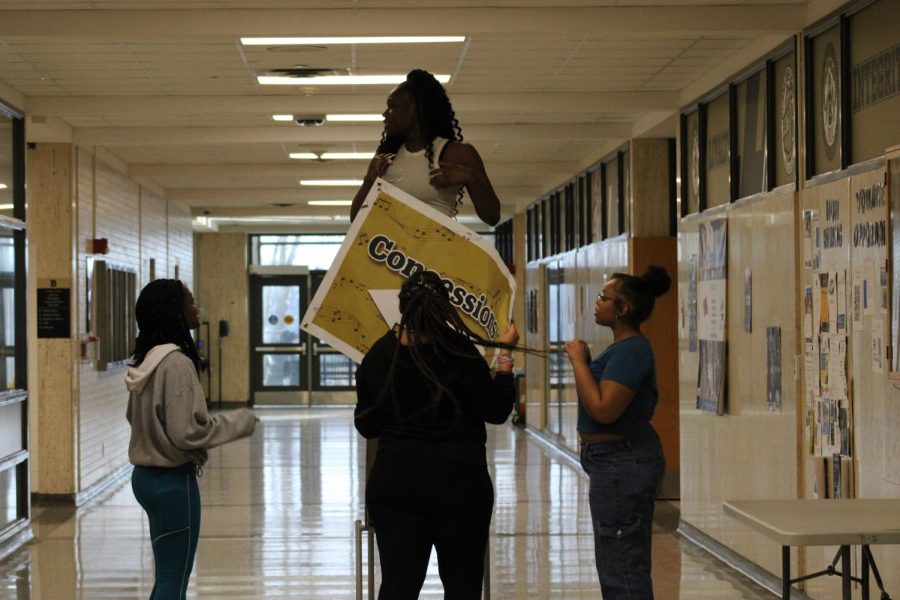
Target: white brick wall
139, 225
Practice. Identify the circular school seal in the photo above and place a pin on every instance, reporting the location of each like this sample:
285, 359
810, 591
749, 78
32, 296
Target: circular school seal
788, 121
830, 100
695, 160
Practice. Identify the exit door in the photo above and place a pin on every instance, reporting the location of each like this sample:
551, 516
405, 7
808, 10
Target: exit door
278, 347
287, 365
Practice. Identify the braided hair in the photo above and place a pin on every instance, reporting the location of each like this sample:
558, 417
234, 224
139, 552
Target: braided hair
434, 116
160, 317
430, 320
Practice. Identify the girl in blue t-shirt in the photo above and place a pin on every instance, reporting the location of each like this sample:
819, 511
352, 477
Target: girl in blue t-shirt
620, 450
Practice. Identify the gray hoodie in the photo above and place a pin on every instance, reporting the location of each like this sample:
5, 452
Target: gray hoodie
170, 425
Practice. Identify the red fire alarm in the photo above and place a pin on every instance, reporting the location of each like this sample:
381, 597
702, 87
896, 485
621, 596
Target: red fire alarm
100, 246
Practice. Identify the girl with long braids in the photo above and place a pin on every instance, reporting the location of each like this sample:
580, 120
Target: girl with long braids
171, 429
425, 391
422, 152
620, 450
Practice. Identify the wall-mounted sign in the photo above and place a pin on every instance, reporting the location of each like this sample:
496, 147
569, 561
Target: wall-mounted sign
54, 312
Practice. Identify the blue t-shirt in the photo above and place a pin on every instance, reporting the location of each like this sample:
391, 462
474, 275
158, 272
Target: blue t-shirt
628, 362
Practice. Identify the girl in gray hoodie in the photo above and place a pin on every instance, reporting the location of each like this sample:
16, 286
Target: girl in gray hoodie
171, 429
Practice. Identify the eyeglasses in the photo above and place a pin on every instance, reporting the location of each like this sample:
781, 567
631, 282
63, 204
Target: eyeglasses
604, 298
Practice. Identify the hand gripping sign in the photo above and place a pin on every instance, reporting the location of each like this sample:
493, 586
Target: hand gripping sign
393, 236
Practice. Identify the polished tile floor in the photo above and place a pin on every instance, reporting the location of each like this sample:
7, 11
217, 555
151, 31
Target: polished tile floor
278, 515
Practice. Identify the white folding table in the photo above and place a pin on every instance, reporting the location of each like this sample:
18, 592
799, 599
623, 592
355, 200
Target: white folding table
844, 523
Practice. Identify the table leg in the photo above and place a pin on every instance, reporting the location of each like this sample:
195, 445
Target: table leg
864, 572
786, 572
845, 573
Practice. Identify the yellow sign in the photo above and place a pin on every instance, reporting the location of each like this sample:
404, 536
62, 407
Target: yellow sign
393, 236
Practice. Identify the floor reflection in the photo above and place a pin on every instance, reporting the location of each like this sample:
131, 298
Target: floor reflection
278, 522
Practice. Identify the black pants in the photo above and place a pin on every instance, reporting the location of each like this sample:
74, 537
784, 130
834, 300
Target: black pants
416, 503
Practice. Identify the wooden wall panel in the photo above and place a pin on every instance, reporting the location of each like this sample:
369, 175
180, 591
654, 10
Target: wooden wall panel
661, 330
222, 293
52, 404
650, 187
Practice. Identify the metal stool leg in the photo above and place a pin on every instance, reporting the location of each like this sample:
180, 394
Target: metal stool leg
486, 592
786, 572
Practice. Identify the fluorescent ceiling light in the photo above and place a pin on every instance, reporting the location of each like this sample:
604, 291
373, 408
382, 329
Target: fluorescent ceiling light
282, 117
347, 155
304, 155
6, 207
329, 41
365, 118
3, 186
339, 80
331, 155
332, 182
330, 202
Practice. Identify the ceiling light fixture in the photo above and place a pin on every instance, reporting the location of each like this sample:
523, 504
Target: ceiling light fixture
340, 80
282, 117
6, 206
347, 155
330, 202
330, 41
3, 186
355, 118
332, 182
304, 155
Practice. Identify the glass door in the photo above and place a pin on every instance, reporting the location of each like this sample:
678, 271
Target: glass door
15, 491
557, 359
333, 374
279, 370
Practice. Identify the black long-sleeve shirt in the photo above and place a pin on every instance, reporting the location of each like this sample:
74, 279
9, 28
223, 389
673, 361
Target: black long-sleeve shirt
407, 419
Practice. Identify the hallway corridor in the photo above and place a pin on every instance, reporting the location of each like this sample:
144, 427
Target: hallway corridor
274, 526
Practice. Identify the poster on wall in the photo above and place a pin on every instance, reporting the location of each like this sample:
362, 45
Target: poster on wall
811, 239
773, 368
748, 300
711, 303
692, 303
394, 236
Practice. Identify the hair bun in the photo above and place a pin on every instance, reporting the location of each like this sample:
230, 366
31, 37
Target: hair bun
657, 280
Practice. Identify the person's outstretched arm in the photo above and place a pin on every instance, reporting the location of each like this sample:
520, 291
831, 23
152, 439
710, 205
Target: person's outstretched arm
461, 165
188, 424
377, 167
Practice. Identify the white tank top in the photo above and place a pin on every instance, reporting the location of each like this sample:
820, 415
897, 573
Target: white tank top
409, 172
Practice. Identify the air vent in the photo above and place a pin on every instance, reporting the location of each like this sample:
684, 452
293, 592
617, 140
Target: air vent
297, 48
301, 71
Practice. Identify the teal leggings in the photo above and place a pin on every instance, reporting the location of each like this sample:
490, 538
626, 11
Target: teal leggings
171, 500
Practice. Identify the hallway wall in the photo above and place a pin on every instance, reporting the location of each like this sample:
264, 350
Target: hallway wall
749, 452
140, 225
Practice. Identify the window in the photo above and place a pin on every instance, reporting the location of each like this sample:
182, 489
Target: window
569, 200
313, 251
14, 457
